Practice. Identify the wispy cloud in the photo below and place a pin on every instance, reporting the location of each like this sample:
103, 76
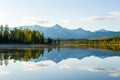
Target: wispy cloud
100, 18
30, 66
36, 21
114, 72
4, 72
66, 21
65, 66
5, 15
111, 16
115, 13
100, 69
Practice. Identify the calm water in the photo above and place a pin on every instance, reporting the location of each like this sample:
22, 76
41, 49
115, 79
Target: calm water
59, 64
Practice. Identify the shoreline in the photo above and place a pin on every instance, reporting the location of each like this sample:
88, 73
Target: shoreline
23, 46
112, 47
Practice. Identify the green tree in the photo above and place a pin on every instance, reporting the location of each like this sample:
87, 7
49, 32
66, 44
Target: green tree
36, 37
1, 33
20, 36
6, 34
42, 39
49, 41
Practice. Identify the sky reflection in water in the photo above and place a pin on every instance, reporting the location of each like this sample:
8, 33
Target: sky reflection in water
63, 64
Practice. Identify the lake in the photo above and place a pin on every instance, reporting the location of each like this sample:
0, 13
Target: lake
64, 63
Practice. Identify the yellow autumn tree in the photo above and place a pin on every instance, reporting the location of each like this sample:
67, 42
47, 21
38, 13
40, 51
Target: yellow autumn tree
27, 35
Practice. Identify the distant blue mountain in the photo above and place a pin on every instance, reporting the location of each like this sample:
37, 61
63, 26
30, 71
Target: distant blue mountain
102, 30
58, 31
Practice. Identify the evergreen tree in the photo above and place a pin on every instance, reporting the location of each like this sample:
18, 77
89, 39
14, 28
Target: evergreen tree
6, 34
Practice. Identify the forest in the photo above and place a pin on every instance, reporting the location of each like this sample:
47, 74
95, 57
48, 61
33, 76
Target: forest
24, 36
102, 41
112, 43
19, 36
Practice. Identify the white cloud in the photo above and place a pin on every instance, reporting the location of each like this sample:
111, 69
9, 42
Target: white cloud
112, 71
99, 69
65, 66
115, 74
100, 18
36, 21
29, 66
95, 69
4, 72
112, 16
5, 15
66, 21
115, 13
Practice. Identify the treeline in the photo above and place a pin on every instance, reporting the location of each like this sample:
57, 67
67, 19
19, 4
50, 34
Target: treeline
20, 36
112, 43
23, 36
111, 40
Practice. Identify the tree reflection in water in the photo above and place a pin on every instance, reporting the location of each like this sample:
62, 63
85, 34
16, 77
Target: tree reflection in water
19, 54
35, 53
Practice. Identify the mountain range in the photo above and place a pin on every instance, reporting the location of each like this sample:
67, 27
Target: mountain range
60, 32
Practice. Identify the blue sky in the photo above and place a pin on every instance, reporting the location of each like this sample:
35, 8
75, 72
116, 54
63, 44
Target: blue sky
87, 14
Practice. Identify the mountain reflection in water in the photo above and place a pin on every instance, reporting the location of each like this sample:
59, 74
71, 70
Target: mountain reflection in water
51, 53
66, 63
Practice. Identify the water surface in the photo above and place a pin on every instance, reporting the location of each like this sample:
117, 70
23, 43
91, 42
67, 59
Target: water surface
59, 64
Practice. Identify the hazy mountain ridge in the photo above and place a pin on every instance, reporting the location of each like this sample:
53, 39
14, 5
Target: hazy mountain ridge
58, 31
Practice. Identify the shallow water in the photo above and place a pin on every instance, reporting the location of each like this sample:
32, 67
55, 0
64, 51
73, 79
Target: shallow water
59, 64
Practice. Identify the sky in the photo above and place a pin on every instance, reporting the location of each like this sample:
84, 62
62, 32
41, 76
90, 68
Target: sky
87, 14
